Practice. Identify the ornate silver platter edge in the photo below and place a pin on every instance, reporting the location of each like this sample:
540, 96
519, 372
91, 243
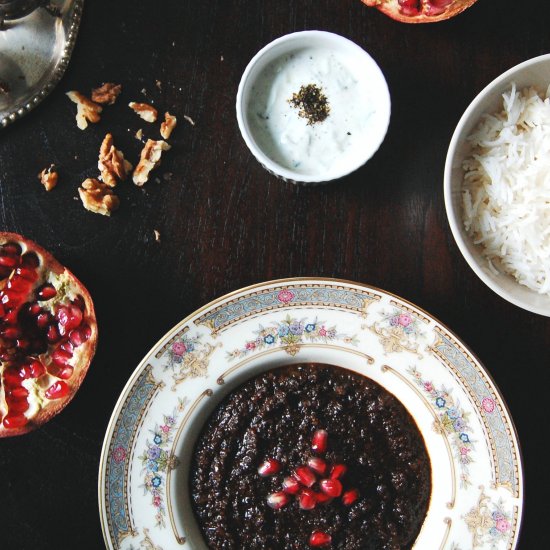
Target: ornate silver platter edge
71, 13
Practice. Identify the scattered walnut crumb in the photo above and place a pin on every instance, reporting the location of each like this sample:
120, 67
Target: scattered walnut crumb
149, 159
144, 110
112, 164
139, 134
221, 57
98, 197
107, 93
189, 119
168, 125
158, 84
48, 177
87, 110
157, 235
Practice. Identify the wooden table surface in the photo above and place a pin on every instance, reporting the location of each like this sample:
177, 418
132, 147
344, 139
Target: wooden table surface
226, 223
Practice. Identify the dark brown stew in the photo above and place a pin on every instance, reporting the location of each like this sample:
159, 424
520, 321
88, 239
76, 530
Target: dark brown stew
383, 495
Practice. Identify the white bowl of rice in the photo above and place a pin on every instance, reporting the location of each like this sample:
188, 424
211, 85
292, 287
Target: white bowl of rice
497, 185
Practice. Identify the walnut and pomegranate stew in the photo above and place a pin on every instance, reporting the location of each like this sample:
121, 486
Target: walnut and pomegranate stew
307, 456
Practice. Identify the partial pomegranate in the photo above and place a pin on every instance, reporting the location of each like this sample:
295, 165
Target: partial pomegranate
48, 335
420, 11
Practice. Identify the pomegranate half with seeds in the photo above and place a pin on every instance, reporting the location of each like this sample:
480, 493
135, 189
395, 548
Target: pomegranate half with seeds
48, 335
420, 11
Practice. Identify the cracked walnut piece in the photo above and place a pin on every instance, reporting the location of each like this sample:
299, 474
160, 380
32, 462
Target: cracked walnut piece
48, 177
107, 93
87, 110
98, 197
168, 125
149, 159
144, 110
112, 164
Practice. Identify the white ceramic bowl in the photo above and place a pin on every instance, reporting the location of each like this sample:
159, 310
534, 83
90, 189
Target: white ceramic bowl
374, 96
533, 72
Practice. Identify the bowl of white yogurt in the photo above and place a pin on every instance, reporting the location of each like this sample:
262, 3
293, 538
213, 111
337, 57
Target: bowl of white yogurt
313, 106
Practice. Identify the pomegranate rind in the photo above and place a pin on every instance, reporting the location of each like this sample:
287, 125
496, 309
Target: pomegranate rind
392, 9
51, 408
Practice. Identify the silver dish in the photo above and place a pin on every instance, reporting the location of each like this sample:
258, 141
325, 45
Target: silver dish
34, 52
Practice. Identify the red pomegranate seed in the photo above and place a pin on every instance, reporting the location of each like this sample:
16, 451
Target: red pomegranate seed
14, 421
18, 284
277, 500
319, 443
61, 357
18, 406
68, 318
25, 372
290, 485
319, 538
37, 369
269, 467
317, 464
67, 346
43, 320
307, 499
331, 487
9, 261
22, 343
11, 333
11, 298
34, 309
19, 392
338, 470
322, 498
27, 273
11, 317
13, 249
77, 337
65, 372
349, 497
53, 334
57, 390
30, 259
305, 476
47, 292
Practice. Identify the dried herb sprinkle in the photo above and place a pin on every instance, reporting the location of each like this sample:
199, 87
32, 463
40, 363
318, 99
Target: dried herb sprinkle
312, 102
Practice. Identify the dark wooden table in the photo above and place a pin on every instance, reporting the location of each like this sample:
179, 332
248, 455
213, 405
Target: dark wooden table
226, 223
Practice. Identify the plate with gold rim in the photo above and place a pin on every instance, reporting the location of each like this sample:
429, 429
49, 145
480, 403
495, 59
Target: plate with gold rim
477, 478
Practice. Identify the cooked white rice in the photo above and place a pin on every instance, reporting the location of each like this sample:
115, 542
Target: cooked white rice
506, 188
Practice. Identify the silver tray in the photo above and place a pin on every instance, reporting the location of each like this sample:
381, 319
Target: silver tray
34, 53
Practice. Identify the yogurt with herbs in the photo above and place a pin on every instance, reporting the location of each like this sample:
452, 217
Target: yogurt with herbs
328, 141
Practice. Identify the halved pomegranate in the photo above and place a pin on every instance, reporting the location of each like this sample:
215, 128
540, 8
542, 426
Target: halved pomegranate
48, 335
420, 11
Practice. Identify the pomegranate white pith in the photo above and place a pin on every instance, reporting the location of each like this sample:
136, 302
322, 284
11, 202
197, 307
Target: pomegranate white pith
48, 335
420, 11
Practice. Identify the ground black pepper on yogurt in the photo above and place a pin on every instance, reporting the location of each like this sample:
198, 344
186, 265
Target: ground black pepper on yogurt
274, 417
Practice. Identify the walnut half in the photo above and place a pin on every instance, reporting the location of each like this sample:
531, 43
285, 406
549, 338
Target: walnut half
98, 197
48, 177
149, 159
87, 110
168, 125
107, 93
112, 164
144, 110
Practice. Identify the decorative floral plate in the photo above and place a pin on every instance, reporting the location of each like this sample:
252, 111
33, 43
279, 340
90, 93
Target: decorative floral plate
477, 493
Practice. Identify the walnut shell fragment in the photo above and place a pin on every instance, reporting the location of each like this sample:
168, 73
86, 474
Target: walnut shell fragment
144, 110
48, 177
112, 164
149, 159
168, 125
107, 93
98, 197
87, 110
